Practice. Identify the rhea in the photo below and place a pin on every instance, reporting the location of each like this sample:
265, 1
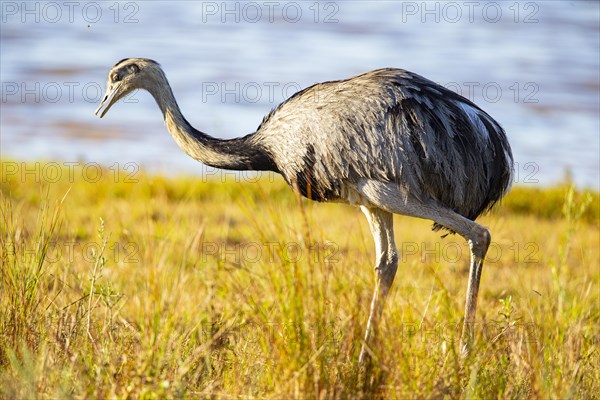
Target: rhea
389, 141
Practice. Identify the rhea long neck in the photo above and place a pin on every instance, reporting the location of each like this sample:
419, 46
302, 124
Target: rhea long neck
236, 154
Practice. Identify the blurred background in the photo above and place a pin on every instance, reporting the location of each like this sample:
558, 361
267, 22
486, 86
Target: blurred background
534, 66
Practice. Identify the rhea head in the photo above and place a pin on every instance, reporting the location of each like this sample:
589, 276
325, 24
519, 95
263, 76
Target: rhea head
130, 74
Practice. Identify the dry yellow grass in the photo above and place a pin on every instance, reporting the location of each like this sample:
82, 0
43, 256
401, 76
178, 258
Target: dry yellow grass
153, 287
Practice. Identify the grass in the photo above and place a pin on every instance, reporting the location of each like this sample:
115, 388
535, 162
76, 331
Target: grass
152, 287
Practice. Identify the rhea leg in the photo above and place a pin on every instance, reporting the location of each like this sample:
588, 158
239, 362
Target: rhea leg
479, 243
382, 226
390, 198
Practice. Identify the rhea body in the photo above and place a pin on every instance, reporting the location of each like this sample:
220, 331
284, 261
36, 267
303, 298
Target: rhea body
389, 141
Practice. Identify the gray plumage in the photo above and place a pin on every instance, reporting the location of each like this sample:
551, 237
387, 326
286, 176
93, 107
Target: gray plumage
389, 141
390, 125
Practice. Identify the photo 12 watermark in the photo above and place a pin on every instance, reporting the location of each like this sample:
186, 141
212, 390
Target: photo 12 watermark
448, 332
252, 332
53, 12
70, 251
526, 172
69, 172
270, 252
453, 12
210, 174
453, 252
494, 92
29, 92
248, 92
270, 12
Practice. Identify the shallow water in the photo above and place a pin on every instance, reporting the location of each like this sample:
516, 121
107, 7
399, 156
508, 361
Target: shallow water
534, 66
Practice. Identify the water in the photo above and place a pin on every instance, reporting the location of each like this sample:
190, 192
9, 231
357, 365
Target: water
534, 66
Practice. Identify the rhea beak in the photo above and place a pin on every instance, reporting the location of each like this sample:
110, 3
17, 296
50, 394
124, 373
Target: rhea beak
109, 99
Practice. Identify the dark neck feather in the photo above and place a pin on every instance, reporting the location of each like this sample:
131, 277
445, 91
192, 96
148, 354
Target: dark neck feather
241, 154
